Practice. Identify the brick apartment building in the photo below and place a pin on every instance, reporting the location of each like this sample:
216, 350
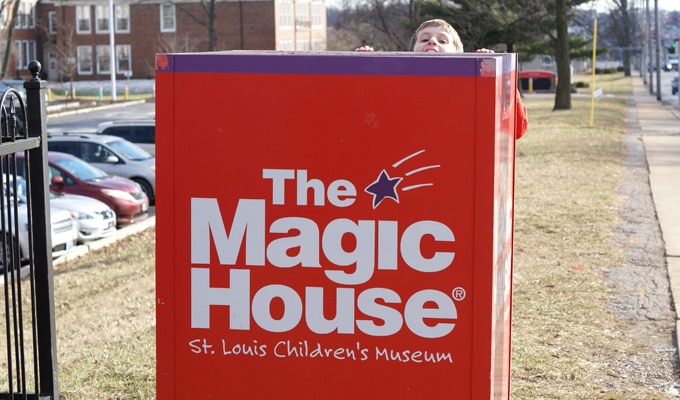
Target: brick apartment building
71, 38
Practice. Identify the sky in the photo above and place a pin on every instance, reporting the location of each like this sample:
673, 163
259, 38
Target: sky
668, 5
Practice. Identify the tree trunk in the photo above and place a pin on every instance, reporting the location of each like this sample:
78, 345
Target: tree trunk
627, 42
563, 91
212, 36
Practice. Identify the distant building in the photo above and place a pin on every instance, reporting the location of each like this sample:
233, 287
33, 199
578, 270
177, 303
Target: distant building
71, 38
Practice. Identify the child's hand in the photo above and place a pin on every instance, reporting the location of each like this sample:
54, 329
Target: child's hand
484, 51
364, 48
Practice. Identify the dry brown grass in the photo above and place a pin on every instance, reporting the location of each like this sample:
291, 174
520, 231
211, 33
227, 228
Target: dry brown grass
106, 322
566, 342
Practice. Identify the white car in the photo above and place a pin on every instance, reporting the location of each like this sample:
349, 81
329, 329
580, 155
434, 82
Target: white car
63, 227
94, 219
64, 232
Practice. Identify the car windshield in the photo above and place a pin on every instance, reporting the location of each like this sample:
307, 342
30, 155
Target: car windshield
130, 150
80, 169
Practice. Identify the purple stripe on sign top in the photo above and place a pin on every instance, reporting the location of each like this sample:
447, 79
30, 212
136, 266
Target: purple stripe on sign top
329, 63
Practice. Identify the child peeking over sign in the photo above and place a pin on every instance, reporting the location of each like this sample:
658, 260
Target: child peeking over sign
438, 36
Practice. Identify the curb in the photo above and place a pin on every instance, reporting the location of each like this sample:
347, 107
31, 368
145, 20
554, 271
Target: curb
64, 113
85, 248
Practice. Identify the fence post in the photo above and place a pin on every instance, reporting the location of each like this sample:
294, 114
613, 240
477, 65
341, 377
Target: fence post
36, 162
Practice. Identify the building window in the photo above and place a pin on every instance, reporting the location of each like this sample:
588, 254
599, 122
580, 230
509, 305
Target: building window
122, 18
167, 17
52, 22
103, 60
84, 55
317, 45
124, 60
547, 61
101, 18
25, 52
25, 17
83, 24
302, 16
317, 15
286, 45
302, 45
285, 15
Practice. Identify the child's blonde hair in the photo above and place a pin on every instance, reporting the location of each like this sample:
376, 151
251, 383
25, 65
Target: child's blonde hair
446, 27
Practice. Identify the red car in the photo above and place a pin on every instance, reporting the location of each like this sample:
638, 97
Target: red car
69, 174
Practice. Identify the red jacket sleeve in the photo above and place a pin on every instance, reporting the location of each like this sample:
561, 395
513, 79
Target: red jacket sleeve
521, 118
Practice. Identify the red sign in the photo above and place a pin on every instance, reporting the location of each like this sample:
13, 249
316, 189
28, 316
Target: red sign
334, 226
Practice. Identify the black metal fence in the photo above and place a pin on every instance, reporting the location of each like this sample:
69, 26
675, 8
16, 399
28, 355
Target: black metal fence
28, 366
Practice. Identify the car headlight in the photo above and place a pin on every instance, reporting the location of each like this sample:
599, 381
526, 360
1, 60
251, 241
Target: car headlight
81, 215
119, 194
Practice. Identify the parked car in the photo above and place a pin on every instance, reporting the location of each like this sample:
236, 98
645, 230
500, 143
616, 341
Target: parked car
70, 174
111, 154
141, 132
63, 227
94, 219
674, 85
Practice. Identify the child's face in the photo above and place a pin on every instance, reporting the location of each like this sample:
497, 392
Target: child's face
434, 39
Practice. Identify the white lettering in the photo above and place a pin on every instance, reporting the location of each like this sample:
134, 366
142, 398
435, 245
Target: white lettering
306, 243
237, 298
341, 193
278, 177
415, 313
383, 320
262, 308
248, 220
344, 311
303, 185
369, 305
410, 246
361, 256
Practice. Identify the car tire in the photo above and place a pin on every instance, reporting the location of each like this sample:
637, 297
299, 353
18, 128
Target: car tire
146, 188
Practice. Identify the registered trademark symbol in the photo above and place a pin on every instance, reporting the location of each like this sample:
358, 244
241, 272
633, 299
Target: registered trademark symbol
458, 294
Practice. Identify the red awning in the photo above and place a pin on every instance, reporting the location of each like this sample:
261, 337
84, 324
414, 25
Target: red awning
536, 73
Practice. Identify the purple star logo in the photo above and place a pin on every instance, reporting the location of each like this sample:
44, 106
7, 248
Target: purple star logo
383, 187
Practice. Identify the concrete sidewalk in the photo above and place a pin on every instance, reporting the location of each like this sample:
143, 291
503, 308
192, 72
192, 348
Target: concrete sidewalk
660, 125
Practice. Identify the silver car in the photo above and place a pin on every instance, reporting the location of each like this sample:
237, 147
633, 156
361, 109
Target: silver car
141, 132
113, 155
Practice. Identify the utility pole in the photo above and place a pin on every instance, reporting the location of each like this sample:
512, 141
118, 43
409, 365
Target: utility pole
112, 51
648, 25
657, 36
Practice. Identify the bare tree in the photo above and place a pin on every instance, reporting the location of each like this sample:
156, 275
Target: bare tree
173, 43
382, 24
9, 34
622, 30
205, 18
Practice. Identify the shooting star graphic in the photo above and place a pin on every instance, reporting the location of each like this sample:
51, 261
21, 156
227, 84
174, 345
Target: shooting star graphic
385, 186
